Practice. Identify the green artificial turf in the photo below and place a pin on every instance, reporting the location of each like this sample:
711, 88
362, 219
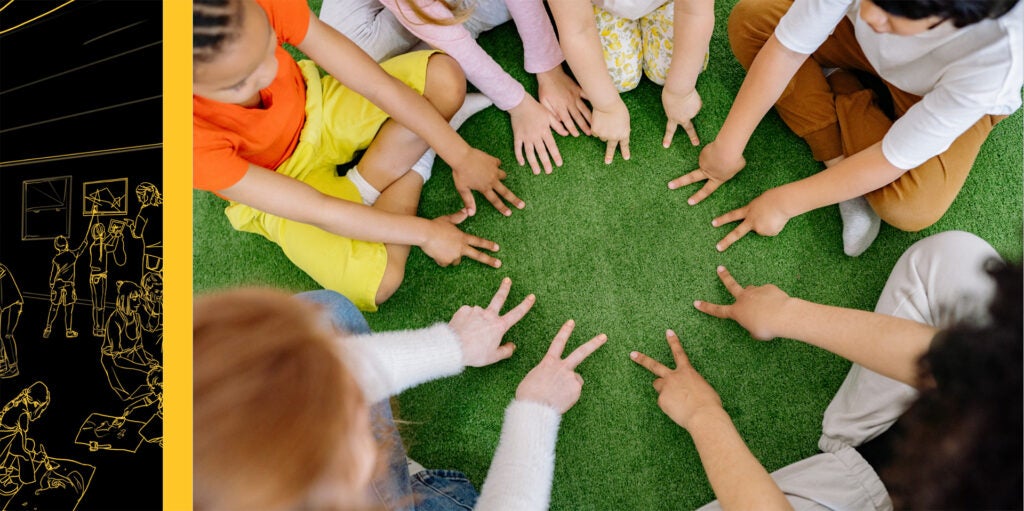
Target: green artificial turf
614, 249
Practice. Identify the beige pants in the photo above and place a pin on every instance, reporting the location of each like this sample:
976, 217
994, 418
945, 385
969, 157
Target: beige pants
839, 116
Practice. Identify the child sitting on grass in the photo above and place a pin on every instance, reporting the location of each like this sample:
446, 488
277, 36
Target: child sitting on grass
269, 132
608, 43
951, 68
289, 398
453, 29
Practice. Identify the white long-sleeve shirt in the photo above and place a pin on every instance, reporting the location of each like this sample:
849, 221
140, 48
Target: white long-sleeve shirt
521, 472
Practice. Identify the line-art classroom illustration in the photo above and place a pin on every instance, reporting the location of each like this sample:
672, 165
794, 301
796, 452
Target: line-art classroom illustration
81, 247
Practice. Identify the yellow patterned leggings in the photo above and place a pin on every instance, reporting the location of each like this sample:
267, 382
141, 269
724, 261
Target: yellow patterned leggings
632, 45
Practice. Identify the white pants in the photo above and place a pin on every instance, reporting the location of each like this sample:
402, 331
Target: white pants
940, 281
378, 32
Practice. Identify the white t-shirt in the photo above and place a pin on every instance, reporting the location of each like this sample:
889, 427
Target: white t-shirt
962, 74
630, 9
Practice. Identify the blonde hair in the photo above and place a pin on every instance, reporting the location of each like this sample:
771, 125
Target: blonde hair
460, 9
273, 404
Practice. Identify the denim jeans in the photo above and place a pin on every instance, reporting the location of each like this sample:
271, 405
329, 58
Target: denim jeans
428, 490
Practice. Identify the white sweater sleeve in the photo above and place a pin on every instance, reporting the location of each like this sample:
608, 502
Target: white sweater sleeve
524, 463
387, 363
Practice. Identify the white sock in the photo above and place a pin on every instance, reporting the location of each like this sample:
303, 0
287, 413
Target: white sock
366, 190
860, 225
474, 103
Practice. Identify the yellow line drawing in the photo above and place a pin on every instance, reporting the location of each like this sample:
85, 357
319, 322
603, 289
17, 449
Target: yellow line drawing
11, 303
45, 208
29, 477
123, 355
79, 114
149, 199
105, 197
62, 282
106, 243
84, 154
51, 11
83, 66
141, 421
112, 32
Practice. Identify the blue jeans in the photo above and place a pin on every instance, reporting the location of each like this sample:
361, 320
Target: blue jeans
428, 490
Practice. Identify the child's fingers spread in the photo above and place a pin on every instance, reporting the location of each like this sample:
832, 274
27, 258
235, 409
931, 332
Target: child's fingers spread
609, 152
519, 311
479, 256
479, 242
732, 216
558, 343
624, 146
557, 123
687, 179
499, 297
670, 131
734, 236
731, 285
552, 148
509, 196
496, 202
580, 354
649, 363
691, 131
469, 201
531, 157
704, 192
568, 120
713, 309
678, 354
519, 154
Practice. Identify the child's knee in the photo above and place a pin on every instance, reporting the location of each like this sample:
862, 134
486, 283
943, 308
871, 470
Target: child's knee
751, 23
394, 274
446, 84
906, 214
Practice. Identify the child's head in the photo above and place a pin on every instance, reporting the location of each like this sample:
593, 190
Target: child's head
148, 194
961, 443
908, 17
279, 422
128, 294
233, 49
97, 231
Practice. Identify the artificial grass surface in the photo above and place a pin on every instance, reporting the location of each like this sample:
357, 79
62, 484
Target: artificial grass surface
614, 249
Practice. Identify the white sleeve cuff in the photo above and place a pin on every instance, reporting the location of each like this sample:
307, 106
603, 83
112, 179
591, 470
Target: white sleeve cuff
520, 475
387, 363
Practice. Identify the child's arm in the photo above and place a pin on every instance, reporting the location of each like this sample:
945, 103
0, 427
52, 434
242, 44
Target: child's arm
736, 476
885, 344
692, 24
768, 214
581, 44
773, 68
285, 197
472, 169
531, 122
557, 91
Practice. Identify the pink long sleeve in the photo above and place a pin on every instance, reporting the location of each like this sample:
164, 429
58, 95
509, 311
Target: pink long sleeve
481, 70
540, 46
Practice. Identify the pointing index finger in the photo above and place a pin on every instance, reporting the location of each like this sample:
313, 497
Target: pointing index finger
731, 285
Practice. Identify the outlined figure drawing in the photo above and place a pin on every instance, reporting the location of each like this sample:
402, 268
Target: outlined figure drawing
107, 244
141, 421
149, 199
104, 198
11, 303
123, 356
29, 477
62, 282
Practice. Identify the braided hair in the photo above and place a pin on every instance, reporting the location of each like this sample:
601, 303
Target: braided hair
214, 23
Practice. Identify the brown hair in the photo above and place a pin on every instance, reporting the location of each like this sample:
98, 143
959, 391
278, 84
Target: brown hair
460, 9
273, 405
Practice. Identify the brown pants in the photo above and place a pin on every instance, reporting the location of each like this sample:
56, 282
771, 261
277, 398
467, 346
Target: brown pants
839, 116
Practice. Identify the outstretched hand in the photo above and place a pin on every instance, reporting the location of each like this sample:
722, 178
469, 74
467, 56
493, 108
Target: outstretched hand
481, 172
554, 381
764, 215
682, 392
481, 330
446, 244
680, 109
563, 97
531, 135
757, 308
716, 166
612, 127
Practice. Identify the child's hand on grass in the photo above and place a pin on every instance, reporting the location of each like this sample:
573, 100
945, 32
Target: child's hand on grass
717, 165
482, 172
563, 97
531, 133
756, 309
611, 125
680, 109
446, 244
554, 381
682, 392
764, 215
481, 330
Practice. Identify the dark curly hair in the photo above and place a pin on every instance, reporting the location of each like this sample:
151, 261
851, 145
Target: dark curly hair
214, 23
962, 12
961, 441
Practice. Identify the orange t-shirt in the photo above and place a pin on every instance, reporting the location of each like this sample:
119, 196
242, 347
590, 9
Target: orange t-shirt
227, 138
